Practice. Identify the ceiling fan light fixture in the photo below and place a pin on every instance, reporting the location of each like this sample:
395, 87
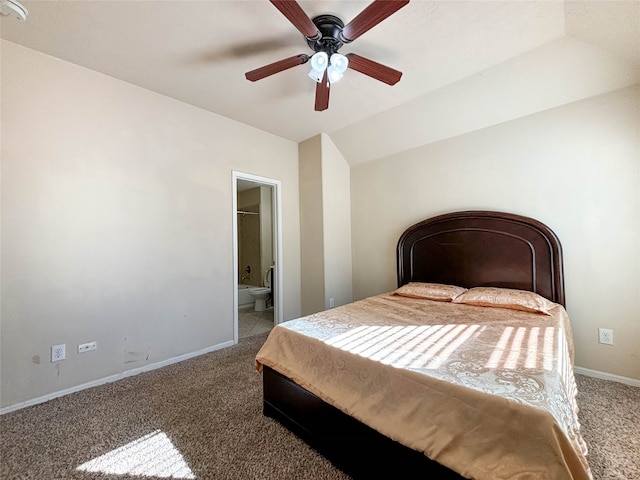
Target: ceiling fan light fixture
339, 64
315, 75
333, 74
319, 63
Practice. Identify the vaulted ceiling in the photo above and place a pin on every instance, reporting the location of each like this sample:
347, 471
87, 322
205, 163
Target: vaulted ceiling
451, 53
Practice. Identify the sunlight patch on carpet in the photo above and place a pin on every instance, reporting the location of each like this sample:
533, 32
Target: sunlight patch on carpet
150, 456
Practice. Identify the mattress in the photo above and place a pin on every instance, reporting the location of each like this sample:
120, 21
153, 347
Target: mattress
488, 392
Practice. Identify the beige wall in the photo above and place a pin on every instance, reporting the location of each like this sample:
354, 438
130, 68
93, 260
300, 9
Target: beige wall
575, 168
325, 221
311, 226
116, 223
266, 231
559, 72
336, 199
248, 225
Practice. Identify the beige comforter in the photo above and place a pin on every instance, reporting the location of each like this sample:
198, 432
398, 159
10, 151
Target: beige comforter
488, 392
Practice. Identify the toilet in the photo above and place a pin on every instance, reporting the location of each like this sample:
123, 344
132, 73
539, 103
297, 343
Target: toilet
261, 294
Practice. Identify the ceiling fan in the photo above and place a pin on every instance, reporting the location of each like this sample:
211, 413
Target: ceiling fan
325, 35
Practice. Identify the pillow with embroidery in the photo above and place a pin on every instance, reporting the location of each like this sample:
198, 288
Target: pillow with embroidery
506, 298
430, 291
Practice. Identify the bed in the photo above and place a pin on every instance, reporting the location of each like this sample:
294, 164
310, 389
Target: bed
465, 371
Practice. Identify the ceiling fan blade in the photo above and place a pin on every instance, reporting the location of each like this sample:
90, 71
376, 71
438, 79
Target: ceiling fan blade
276, 67
322, 93
295, 14
369, 18
373, 69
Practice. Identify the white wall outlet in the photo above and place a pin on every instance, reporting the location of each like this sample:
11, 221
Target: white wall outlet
86, 347
605, 335
58, 353
332, 303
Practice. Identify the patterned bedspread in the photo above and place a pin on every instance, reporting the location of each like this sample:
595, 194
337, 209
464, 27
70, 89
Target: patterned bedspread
488, 392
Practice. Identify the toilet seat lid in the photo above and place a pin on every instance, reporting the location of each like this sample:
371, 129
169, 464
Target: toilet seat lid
267, 277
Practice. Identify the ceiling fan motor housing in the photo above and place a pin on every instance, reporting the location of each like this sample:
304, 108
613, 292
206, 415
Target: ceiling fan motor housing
330, 27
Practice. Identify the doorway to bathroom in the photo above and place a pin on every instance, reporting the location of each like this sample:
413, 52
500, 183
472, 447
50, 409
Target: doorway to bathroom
257, 252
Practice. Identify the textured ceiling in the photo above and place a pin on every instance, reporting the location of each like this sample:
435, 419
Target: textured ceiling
198, 51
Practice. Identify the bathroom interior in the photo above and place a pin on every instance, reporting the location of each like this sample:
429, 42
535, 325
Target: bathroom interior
255, 258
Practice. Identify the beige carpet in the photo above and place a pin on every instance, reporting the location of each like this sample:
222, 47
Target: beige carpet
202, 419
610, 424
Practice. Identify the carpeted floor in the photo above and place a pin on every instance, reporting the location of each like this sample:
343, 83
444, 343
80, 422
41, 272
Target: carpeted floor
203, 419
610, 424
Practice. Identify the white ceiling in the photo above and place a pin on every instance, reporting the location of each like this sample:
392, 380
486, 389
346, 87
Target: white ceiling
198, 51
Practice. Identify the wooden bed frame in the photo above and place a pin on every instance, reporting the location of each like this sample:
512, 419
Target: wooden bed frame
472, 248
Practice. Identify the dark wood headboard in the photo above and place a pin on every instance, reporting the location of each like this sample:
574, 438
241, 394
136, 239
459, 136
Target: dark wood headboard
482, 248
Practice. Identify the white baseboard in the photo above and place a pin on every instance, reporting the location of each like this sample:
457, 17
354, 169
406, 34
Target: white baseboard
607, 376
113, 378
153, 366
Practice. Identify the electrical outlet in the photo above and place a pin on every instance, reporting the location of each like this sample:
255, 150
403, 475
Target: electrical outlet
605, 335
58, 353
86, 347
331, 303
